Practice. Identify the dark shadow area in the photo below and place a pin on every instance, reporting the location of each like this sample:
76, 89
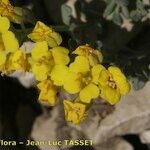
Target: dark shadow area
18, 110
135, 142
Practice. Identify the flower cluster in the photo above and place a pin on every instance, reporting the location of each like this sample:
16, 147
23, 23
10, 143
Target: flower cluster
53, 69
12, 58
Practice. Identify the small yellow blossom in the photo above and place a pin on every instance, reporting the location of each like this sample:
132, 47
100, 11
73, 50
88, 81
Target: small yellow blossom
74, 112
113, 84
93, 56
14, 14
8, 44
40, 63
18, 61
48, 92
41, 32
79, 77
8, 41
43, 60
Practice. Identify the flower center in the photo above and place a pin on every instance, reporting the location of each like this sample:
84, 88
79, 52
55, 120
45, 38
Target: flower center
76, 109
86, 79
111, 83
42, 31
86, 50
7, 10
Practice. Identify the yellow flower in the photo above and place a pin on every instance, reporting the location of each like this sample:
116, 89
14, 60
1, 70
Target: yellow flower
8, 43
79, 77
18, 61
93, 56
113, 84
44, 60
42, 32
74, 112
14, 14
60, 59
40, 61
8, 40
48, 92
83, 79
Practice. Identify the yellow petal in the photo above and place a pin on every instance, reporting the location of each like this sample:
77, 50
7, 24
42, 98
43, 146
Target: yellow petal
2, 48
51, 42
19, 61
96, 70
47, 97
48, 92
2, 58
4, 24
10, 42
111, 95
40, 32
40, 50
57, 37
74, 112
60, 55
72, 84
104, 77
54, 39
59, 74
40, 71
90, 92
99, 55
120, 79
80, 64
94, 56
5, 1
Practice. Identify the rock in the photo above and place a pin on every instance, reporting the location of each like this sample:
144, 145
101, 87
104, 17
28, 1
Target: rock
145, 137
131, 116
53, 129
45, 129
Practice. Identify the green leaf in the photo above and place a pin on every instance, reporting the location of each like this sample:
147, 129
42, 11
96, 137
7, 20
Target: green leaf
134, 16
110, 8
66, 14
116, 18
125, 11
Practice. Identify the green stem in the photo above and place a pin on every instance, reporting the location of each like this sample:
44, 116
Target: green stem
61, 28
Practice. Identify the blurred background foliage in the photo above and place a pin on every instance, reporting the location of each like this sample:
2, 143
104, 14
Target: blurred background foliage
119, 28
